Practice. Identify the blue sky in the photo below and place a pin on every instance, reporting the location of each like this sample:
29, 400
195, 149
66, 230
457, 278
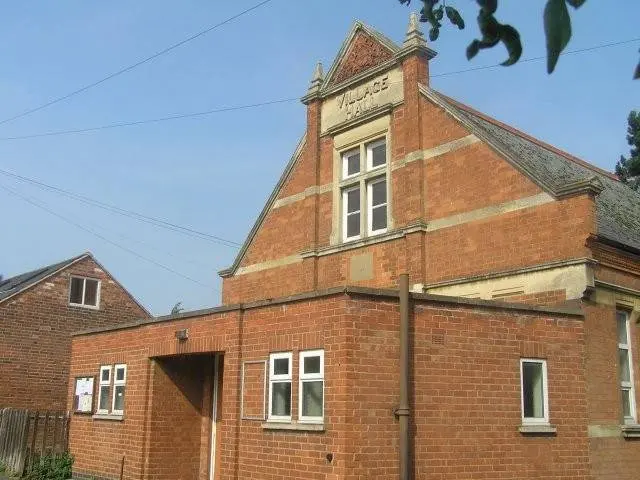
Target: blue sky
214, 173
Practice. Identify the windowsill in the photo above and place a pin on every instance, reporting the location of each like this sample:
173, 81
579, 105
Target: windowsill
631, 431
353, 244
537, 429
108, 416
293, 426
88, 307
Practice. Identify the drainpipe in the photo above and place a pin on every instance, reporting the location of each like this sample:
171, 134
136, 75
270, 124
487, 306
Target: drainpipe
403, 408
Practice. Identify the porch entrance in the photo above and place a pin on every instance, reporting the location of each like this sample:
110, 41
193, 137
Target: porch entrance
186, 392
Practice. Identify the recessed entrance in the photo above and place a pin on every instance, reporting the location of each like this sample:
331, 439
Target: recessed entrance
185, 404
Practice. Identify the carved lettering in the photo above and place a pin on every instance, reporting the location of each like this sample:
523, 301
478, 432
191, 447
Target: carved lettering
363, 98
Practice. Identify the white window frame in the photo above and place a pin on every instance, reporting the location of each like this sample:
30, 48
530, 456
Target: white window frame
346, 214
310, 377
627, 386
103, 383
273, 378
345, 163
368, 175
370, 185
118, 383
369, 148
84, 290
545, 393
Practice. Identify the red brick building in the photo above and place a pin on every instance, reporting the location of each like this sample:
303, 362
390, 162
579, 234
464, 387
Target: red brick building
38, 312
524, 273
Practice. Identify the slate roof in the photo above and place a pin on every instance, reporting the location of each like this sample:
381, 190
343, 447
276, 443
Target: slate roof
617, 206
14, 285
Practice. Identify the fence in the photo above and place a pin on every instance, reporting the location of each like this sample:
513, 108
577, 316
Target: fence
25, 436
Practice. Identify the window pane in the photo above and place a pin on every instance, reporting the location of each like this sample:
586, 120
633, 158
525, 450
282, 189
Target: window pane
118, 403
379, 218
91, 292
622, 327
120, 374
105, 397
532, 390
625, 374
312, 364
76, 290
353, 200
626, 403
353, 163
312, 399
353, 225
379, 193
281, 399
281, 366
106, 374
379, 155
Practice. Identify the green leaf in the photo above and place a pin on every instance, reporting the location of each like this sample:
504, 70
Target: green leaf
489, 6
576, 3
434, 33
454, 17
636, 75
438, 13
473, 49
557, 27
511, 39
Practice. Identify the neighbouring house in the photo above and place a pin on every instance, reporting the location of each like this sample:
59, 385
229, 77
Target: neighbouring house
38, 312
428, 293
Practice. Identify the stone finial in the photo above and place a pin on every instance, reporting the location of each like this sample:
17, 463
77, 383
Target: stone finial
316, 81
414, 37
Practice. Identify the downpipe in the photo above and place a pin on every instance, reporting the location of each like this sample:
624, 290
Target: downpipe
403, 409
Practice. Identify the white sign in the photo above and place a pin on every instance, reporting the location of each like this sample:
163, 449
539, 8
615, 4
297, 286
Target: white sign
83, 395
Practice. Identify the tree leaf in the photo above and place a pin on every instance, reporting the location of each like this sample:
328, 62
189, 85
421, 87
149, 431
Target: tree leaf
489, 6
454, 17
438, 13
557, 28
434, 33
473, 49
511, 39
636, 75
576, 3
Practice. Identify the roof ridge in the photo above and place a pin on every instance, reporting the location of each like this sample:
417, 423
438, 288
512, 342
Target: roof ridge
530, 138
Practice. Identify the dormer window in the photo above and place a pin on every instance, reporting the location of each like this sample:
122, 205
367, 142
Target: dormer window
364, 190
84, 292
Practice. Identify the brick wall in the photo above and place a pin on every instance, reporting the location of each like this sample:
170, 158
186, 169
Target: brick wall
612, 456
461, 181
35, 340
465, 395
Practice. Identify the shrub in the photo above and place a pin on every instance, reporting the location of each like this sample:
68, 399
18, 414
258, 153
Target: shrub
51, 467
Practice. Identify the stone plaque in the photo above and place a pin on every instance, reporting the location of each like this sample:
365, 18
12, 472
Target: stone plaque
359, 99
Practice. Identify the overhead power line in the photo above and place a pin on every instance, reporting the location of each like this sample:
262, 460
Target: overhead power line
274, 102
103, 238
152, 120
135, 65
543, 57
158, 222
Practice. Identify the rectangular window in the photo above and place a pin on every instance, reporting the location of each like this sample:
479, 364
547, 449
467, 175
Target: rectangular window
311, 388
377, 204
364, 190
351, 221
351, 163
376, 154
119, 383
625, 365
84, 292
533, 382
104, 392
280, 367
